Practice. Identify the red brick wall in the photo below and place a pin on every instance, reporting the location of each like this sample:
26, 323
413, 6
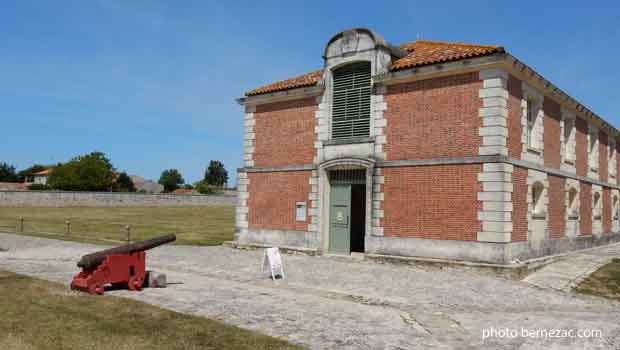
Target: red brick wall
557, 206
603, 149
606, 210
515, 95
433, 118
581, 147
434, 202
551, 137
585, 209
519, 204
284, 133
273, 197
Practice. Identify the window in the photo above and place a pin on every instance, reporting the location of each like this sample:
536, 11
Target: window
537, 201
351, 101
612, 158
569, 150
531, 120
615, 207
596, 206
593, 150
572, 203
300, 211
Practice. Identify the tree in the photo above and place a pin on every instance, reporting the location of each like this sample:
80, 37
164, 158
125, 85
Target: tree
171, 179
90, 172
31, 170
124, 183
216, 174
7, 173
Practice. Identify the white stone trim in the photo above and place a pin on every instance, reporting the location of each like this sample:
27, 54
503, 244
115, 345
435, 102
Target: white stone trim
378, 197
494, 112
495, 178
321, 127
496, 213
243, 181
242, 208
378, 121
314, 211
249, 136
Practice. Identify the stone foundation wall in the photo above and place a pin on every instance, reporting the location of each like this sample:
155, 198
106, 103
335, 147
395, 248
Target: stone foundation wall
107, 199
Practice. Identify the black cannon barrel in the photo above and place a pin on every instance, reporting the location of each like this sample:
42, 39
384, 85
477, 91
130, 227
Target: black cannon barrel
91, 261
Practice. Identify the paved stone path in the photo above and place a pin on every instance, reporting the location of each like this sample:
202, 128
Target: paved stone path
328, 303
566, 273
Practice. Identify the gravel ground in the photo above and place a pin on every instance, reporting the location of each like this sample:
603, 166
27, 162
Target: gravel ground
336, 303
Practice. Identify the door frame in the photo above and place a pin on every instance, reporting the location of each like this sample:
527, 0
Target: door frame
325, 192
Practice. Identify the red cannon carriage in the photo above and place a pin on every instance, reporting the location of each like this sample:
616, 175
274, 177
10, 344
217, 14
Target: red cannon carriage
124, 265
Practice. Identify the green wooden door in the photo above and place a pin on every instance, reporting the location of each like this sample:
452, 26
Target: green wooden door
340, 219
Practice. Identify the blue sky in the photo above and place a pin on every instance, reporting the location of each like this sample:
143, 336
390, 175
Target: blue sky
152, 83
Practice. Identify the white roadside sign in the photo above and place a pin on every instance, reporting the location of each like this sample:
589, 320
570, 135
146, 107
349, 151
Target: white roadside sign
273, 261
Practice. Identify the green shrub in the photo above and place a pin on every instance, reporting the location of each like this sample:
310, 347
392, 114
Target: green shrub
39, 187
202, 188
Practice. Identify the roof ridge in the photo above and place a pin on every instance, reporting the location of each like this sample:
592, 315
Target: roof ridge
437, 42
419, 53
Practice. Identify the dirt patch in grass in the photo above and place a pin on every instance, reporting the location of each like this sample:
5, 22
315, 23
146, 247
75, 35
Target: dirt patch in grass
209, 225
604, 282
38, 314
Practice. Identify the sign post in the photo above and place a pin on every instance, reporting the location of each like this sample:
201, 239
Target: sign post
273, 261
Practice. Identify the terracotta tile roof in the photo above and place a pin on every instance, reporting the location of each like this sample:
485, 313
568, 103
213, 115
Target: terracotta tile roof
421, 53
308, 79
424, 52
45, 172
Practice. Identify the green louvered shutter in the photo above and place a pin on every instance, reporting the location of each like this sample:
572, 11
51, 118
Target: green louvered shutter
351, 101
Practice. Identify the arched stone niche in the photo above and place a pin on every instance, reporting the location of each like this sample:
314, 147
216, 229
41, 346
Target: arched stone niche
360, 44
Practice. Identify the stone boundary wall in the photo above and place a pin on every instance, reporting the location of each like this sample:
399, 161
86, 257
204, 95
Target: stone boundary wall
108, 199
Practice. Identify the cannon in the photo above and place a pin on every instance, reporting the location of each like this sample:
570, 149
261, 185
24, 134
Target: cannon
120, 266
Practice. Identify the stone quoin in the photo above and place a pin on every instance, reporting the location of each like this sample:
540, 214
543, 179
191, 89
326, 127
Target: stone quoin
427, 149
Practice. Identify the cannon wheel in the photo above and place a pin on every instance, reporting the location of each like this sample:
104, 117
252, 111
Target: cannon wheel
95, 289
135, 283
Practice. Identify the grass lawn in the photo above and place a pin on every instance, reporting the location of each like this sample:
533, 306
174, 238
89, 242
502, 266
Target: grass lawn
209, 225
604, 282
37, 314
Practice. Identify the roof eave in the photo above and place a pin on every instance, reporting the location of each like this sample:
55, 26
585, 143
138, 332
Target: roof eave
537, 80
282, 95
438, 69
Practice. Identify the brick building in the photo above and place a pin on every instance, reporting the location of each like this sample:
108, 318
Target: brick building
429, 149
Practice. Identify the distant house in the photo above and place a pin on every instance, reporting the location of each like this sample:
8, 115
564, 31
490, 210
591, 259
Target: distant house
147, 186
40, 177
183, 191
